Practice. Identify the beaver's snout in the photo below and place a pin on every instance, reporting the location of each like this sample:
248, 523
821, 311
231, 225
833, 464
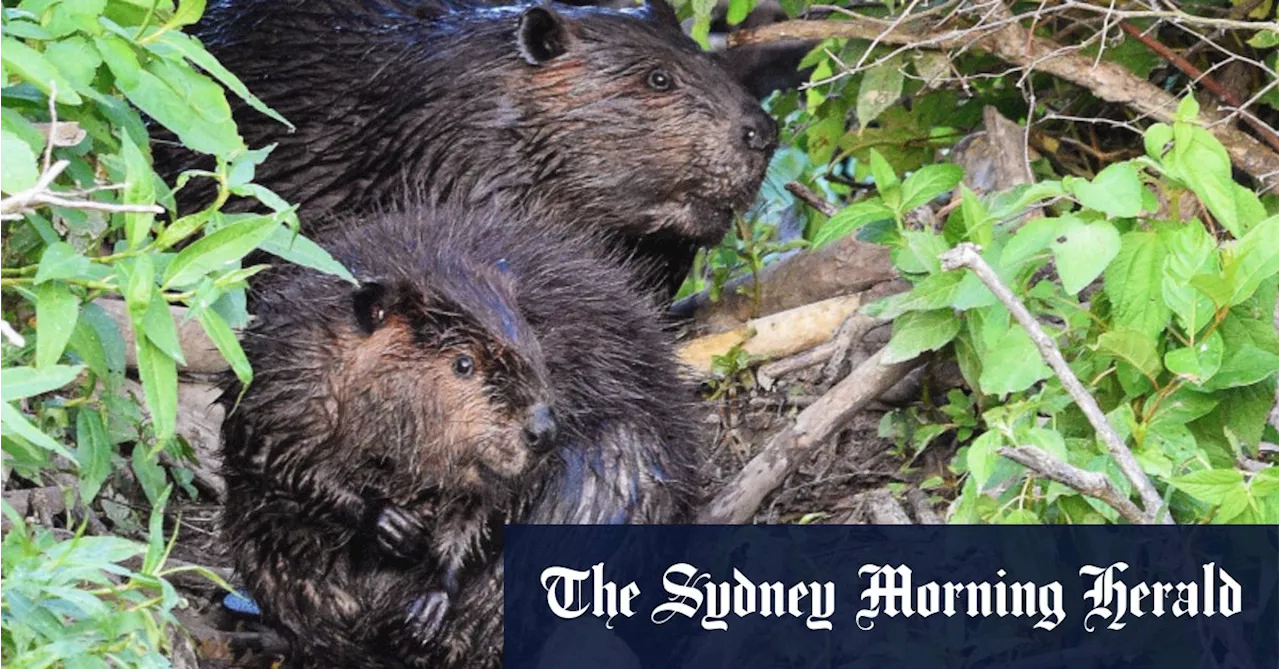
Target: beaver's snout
540, 429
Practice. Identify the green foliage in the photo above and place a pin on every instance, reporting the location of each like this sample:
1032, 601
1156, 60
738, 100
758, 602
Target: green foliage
116, 68
730, 373
73, 602
1177, 342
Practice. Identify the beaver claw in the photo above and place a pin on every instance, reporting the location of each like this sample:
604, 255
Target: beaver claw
399, 533
426, 615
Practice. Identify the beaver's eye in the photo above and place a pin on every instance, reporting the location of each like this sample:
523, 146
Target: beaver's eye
464, 366
660, 80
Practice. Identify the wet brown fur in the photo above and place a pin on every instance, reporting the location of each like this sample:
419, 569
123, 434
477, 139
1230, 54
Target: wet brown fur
547, 106
356, 409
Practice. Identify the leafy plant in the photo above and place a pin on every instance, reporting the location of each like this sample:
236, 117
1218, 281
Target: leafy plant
730, 373
83, 226
1166, 315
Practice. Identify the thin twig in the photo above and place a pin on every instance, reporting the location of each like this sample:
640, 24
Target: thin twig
966, 255
1203, 78
812, 199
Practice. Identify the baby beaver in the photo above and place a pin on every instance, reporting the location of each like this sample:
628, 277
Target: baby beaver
488, 369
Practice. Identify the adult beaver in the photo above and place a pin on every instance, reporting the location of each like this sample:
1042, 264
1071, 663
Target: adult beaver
612, 119
391, 428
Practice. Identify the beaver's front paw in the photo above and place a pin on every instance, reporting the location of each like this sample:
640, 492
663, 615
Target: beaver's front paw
426, 615
400, 534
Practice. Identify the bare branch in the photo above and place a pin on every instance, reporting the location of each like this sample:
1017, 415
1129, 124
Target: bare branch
1002, 36
1093, 484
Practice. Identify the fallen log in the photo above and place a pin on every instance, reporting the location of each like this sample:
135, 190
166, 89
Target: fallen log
775, 336
845, 267
202, 357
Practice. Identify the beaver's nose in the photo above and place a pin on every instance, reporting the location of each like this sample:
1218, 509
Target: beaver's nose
540, 429
760, 132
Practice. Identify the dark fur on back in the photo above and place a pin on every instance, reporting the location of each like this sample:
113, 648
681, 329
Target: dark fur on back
308, 465
474, 103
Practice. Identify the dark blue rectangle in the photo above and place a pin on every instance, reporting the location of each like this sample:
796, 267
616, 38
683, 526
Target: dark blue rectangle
833, 585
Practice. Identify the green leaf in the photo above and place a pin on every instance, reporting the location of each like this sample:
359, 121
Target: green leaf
1182, 407
982, 456
1264, 39
139, 189
822, 138
1216, 288
919, 331
1202, 164
849, 220
182, 228
1083, 250
159, 375
739, 10
139, 282
1156, 139
1116, 191
1132, 284
18, 170
936, 291
36, 69
1011, 363
1049, 441
1016, 200
1034, 238
1198, 362
1188, 110
1244, 366
1245, 410
61, 260
1167, 442
180, 99
881, 88
93, 450
20, 382
218, 250
927, 183
224, 338
188, 12
149, 474
918, 253
193, 51
977, 220
13, 422
157, 324
1251, 345
57, 309
1191, 251
155, 532
882, 172
76, 59
1134, 347
1210, 486
1255, 258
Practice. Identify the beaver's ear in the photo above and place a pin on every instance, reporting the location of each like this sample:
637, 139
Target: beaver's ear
541, 35
369, 304
661, 11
